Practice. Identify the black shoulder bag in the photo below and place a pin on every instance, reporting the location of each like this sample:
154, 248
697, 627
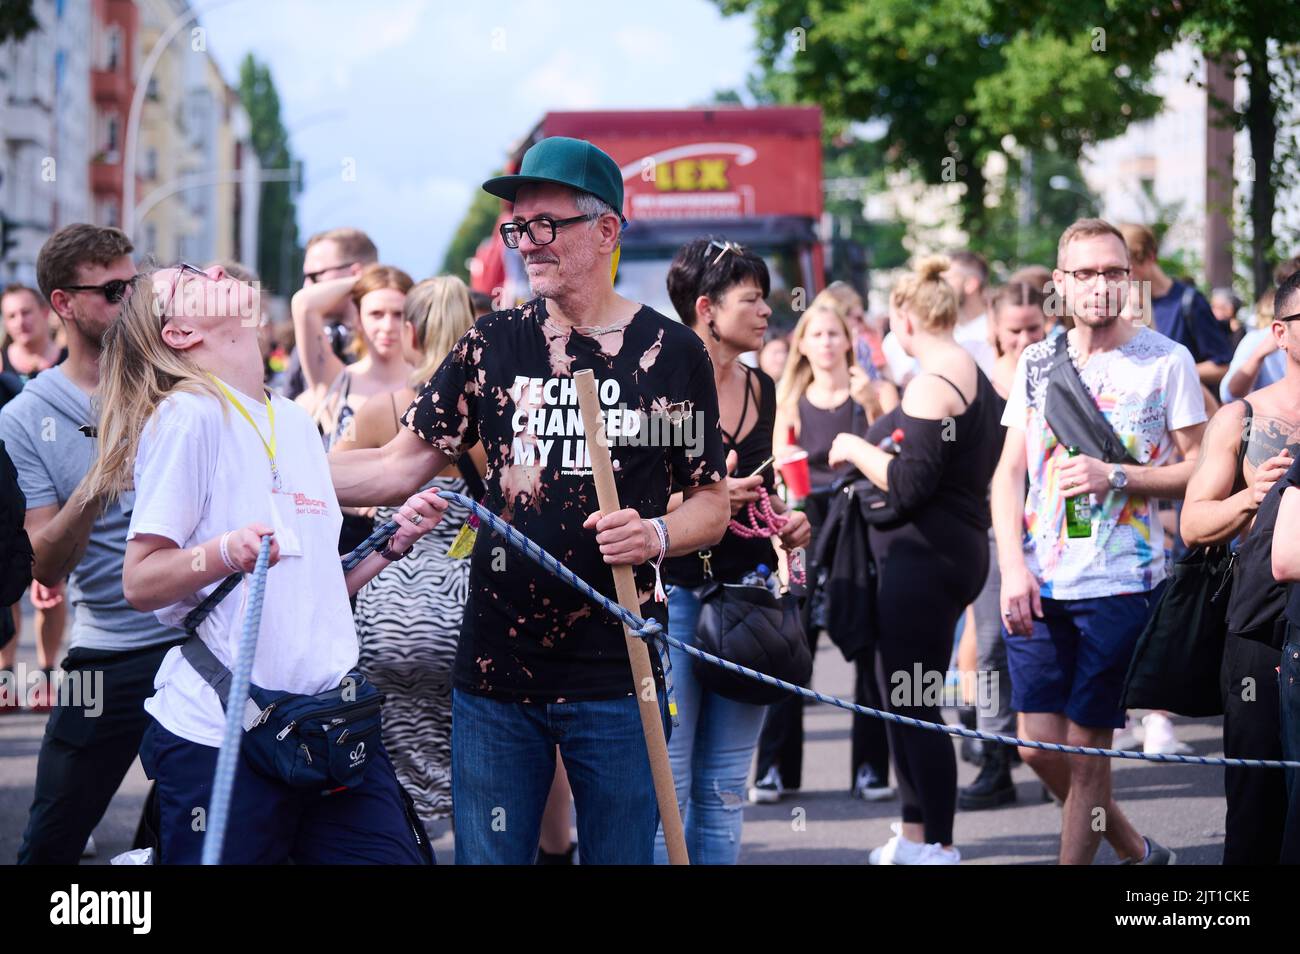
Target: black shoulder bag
1073, 415
1177, 658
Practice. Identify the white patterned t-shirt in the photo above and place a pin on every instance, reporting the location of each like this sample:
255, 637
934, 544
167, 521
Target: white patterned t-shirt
1146, 388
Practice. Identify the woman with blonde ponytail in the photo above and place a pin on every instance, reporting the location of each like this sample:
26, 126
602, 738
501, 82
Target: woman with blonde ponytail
931, 562
408, 620
217, 463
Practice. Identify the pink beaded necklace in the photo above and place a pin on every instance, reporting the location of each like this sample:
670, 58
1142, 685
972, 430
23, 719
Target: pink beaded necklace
763, 520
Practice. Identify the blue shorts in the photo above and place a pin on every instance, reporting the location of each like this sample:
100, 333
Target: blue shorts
270, 822
1076, 660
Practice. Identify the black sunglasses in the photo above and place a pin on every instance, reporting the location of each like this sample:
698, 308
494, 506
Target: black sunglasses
315, 276
181, 269
113, 291
1289, 317
541, 229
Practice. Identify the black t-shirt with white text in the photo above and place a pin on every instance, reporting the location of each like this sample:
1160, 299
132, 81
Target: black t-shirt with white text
508, 383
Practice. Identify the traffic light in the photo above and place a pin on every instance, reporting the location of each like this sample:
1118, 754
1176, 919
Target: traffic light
8, 237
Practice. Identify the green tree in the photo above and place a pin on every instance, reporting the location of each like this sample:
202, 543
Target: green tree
1041, 195
1260, 41
953, 79
16, 20
279, 254
477, 225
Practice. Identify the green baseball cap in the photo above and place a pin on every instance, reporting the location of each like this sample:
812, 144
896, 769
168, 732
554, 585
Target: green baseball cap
575, 163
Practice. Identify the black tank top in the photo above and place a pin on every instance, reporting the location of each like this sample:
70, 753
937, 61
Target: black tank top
817, 430
736, 556
946, 466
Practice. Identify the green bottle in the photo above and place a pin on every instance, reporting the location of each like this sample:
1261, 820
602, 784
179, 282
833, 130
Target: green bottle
1078, 510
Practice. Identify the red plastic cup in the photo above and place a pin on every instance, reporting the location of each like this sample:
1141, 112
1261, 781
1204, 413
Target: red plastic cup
794, 471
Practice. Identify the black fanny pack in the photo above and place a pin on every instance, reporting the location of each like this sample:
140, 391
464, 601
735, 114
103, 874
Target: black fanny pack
322, 742
1073, 415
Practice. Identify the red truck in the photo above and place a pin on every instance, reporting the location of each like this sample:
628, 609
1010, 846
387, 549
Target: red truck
750, 175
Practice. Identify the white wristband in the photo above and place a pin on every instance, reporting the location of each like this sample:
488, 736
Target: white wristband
225, 552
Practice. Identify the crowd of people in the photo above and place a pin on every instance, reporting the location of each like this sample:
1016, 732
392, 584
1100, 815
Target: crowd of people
160, 429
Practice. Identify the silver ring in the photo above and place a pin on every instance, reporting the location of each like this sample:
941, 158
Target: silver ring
1006, 613
415, 519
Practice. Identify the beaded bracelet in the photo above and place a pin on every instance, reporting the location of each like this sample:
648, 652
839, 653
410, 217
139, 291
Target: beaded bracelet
661, 530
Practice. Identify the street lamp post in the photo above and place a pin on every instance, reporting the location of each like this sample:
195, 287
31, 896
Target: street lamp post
129, 217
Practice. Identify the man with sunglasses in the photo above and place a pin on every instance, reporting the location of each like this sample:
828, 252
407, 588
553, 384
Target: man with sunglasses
336, 253
537, 665
1073, 606
93, 733
1250, 502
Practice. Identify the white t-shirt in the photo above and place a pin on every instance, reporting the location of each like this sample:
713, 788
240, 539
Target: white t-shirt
972, 335
1146, 388
199, 473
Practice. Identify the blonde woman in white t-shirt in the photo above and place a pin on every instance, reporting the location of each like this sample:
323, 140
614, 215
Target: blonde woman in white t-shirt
218, 464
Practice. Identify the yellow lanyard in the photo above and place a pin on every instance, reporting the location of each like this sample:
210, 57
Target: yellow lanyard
269, 447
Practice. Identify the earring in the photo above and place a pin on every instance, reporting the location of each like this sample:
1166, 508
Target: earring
713, 330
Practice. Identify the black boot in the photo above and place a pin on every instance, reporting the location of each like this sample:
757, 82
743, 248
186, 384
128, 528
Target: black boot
993, 786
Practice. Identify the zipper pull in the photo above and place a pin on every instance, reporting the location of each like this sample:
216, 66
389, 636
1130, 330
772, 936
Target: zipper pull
279, 737
305, 751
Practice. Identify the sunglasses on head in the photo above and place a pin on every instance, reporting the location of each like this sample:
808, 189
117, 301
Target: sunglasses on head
113, 291
725, 246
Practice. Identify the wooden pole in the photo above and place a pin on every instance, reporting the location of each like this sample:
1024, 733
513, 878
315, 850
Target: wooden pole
638, 652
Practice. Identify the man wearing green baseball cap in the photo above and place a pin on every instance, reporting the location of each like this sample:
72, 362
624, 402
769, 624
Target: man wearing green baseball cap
537, 665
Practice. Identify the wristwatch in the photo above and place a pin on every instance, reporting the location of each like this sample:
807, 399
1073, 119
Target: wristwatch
1118, 478
388, 553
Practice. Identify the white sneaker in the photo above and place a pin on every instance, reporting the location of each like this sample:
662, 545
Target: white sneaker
936, 854
898, 850
1129, 737
768, 789
1160, 737
90, 851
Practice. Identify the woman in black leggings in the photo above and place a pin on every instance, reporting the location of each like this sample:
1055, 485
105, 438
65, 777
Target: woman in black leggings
822, 393
932, 563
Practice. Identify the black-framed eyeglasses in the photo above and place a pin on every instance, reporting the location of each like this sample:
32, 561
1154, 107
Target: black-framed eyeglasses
314, 277
541, 229
181, 269
1111, 276
1294, 317
113, 291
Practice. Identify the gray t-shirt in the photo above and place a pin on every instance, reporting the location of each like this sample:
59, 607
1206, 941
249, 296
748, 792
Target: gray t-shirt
40, 431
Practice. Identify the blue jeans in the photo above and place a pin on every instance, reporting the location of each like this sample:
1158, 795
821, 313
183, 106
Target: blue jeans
503, 762
710, 752
270, 822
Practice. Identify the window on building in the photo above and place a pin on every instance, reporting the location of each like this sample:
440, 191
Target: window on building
113, 52
151, 163
111, 215
151, 239
151, 91
111, 139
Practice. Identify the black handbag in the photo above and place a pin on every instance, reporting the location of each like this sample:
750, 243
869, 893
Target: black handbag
1177, 659
755, 628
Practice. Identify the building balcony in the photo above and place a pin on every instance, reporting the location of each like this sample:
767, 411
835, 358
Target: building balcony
105, 178
27, 121
111, 88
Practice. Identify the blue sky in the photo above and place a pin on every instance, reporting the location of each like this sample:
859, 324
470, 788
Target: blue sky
426, 99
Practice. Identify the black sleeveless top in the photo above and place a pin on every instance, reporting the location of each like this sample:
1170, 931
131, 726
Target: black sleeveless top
818, 428
735, 556
945, 466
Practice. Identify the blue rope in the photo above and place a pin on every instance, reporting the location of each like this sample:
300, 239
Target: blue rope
223, 782
648, 629
228, 756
